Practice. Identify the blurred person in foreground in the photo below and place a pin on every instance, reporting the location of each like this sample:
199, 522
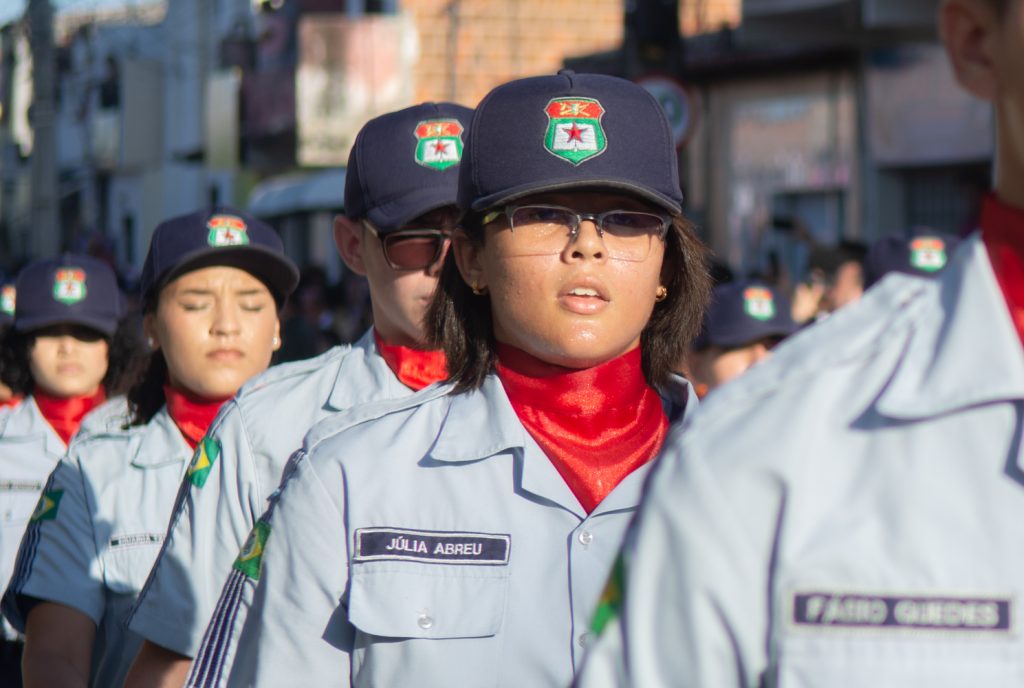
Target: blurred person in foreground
744, 322
849, 513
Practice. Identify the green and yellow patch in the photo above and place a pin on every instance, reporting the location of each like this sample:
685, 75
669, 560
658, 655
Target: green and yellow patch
250, 559
206, 454
610, 604
46, 507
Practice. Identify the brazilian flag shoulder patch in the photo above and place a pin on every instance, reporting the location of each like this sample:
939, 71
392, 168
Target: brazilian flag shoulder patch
250, 559
46, 508
206, 454
610, 604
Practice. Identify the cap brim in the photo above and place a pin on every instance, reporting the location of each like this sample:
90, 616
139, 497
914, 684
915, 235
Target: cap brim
739, 338
392, 216
267, 265
105, 326
514, 193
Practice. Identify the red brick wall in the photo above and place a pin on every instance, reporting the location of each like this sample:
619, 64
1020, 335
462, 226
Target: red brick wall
499, 40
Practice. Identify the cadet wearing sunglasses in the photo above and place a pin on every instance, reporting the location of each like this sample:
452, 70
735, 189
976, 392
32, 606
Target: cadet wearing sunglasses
399, 212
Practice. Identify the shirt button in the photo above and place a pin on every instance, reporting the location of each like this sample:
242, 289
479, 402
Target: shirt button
425, 622
584, 639
586, 537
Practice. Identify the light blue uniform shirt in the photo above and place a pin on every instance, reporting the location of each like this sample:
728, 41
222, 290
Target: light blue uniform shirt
29, 449
97, 530
849, 513
420, 542
254, 434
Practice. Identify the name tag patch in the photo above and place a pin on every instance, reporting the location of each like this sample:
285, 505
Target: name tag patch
432, 547
136, 539
917, 612
21, 486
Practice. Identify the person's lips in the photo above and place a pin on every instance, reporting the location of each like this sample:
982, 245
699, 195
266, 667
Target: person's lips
225, 355
585, 296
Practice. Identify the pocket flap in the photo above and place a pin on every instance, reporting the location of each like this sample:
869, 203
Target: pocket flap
426, 604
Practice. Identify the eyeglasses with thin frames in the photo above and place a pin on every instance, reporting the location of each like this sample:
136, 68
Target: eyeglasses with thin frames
540, 230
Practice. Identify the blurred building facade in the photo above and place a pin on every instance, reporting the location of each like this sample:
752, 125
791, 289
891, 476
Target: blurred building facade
820, 121
842, 113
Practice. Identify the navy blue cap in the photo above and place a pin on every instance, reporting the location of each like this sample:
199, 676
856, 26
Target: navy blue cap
743, 312
71, 289
8, 299
406, 163
217, 236
569, 131
922, 255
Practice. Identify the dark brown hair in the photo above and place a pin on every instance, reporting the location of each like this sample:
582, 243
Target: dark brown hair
146, 395
459, 321
124, 359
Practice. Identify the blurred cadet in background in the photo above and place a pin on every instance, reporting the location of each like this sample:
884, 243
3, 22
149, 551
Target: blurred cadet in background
922, 255
835, 279
744, 322
64, 354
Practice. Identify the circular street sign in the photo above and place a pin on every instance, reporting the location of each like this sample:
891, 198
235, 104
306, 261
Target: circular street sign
679, 103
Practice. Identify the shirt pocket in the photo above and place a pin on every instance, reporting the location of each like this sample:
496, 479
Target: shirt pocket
426, 625
126, 567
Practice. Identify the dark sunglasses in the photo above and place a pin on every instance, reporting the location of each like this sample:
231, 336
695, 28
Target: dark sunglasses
412, 249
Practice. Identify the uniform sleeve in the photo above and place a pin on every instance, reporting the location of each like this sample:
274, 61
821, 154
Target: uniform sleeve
691, 605
280, 619
57, 560
216, 507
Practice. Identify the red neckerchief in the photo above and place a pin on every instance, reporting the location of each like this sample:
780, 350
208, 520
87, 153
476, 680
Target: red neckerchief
596, 425
10, 403
65, 414
415, 368
1002, 230
192, 414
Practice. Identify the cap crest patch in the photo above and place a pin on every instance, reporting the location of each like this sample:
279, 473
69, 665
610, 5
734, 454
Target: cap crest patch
227, 230
8, 299
759, 303
439, 143
574, 129
69, 285
928, 254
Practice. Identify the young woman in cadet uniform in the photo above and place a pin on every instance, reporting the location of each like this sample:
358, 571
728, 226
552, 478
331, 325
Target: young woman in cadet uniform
400, 211
65, 357
462, 536
212, 284
849, 513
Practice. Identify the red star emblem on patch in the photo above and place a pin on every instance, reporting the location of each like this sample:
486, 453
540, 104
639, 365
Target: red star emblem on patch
440, 147
574, 133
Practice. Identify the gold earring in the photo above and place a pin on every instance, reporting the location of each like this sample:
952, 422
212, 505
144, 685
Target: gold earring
661, 293
479, 291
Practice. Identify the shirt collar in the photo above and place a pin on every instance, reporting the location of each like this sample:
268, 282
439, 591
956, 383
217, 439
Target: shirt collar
962, 349
459, 441
362, 375
26, 420
158, 443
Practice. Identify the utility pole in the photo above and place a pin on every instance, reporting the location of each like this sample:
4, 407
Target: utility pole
45, 228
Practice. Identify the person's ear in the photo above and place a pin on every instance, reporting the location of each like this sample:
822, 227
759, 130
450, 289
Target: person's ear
149, 330
468, 260
970, 31
349, 238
